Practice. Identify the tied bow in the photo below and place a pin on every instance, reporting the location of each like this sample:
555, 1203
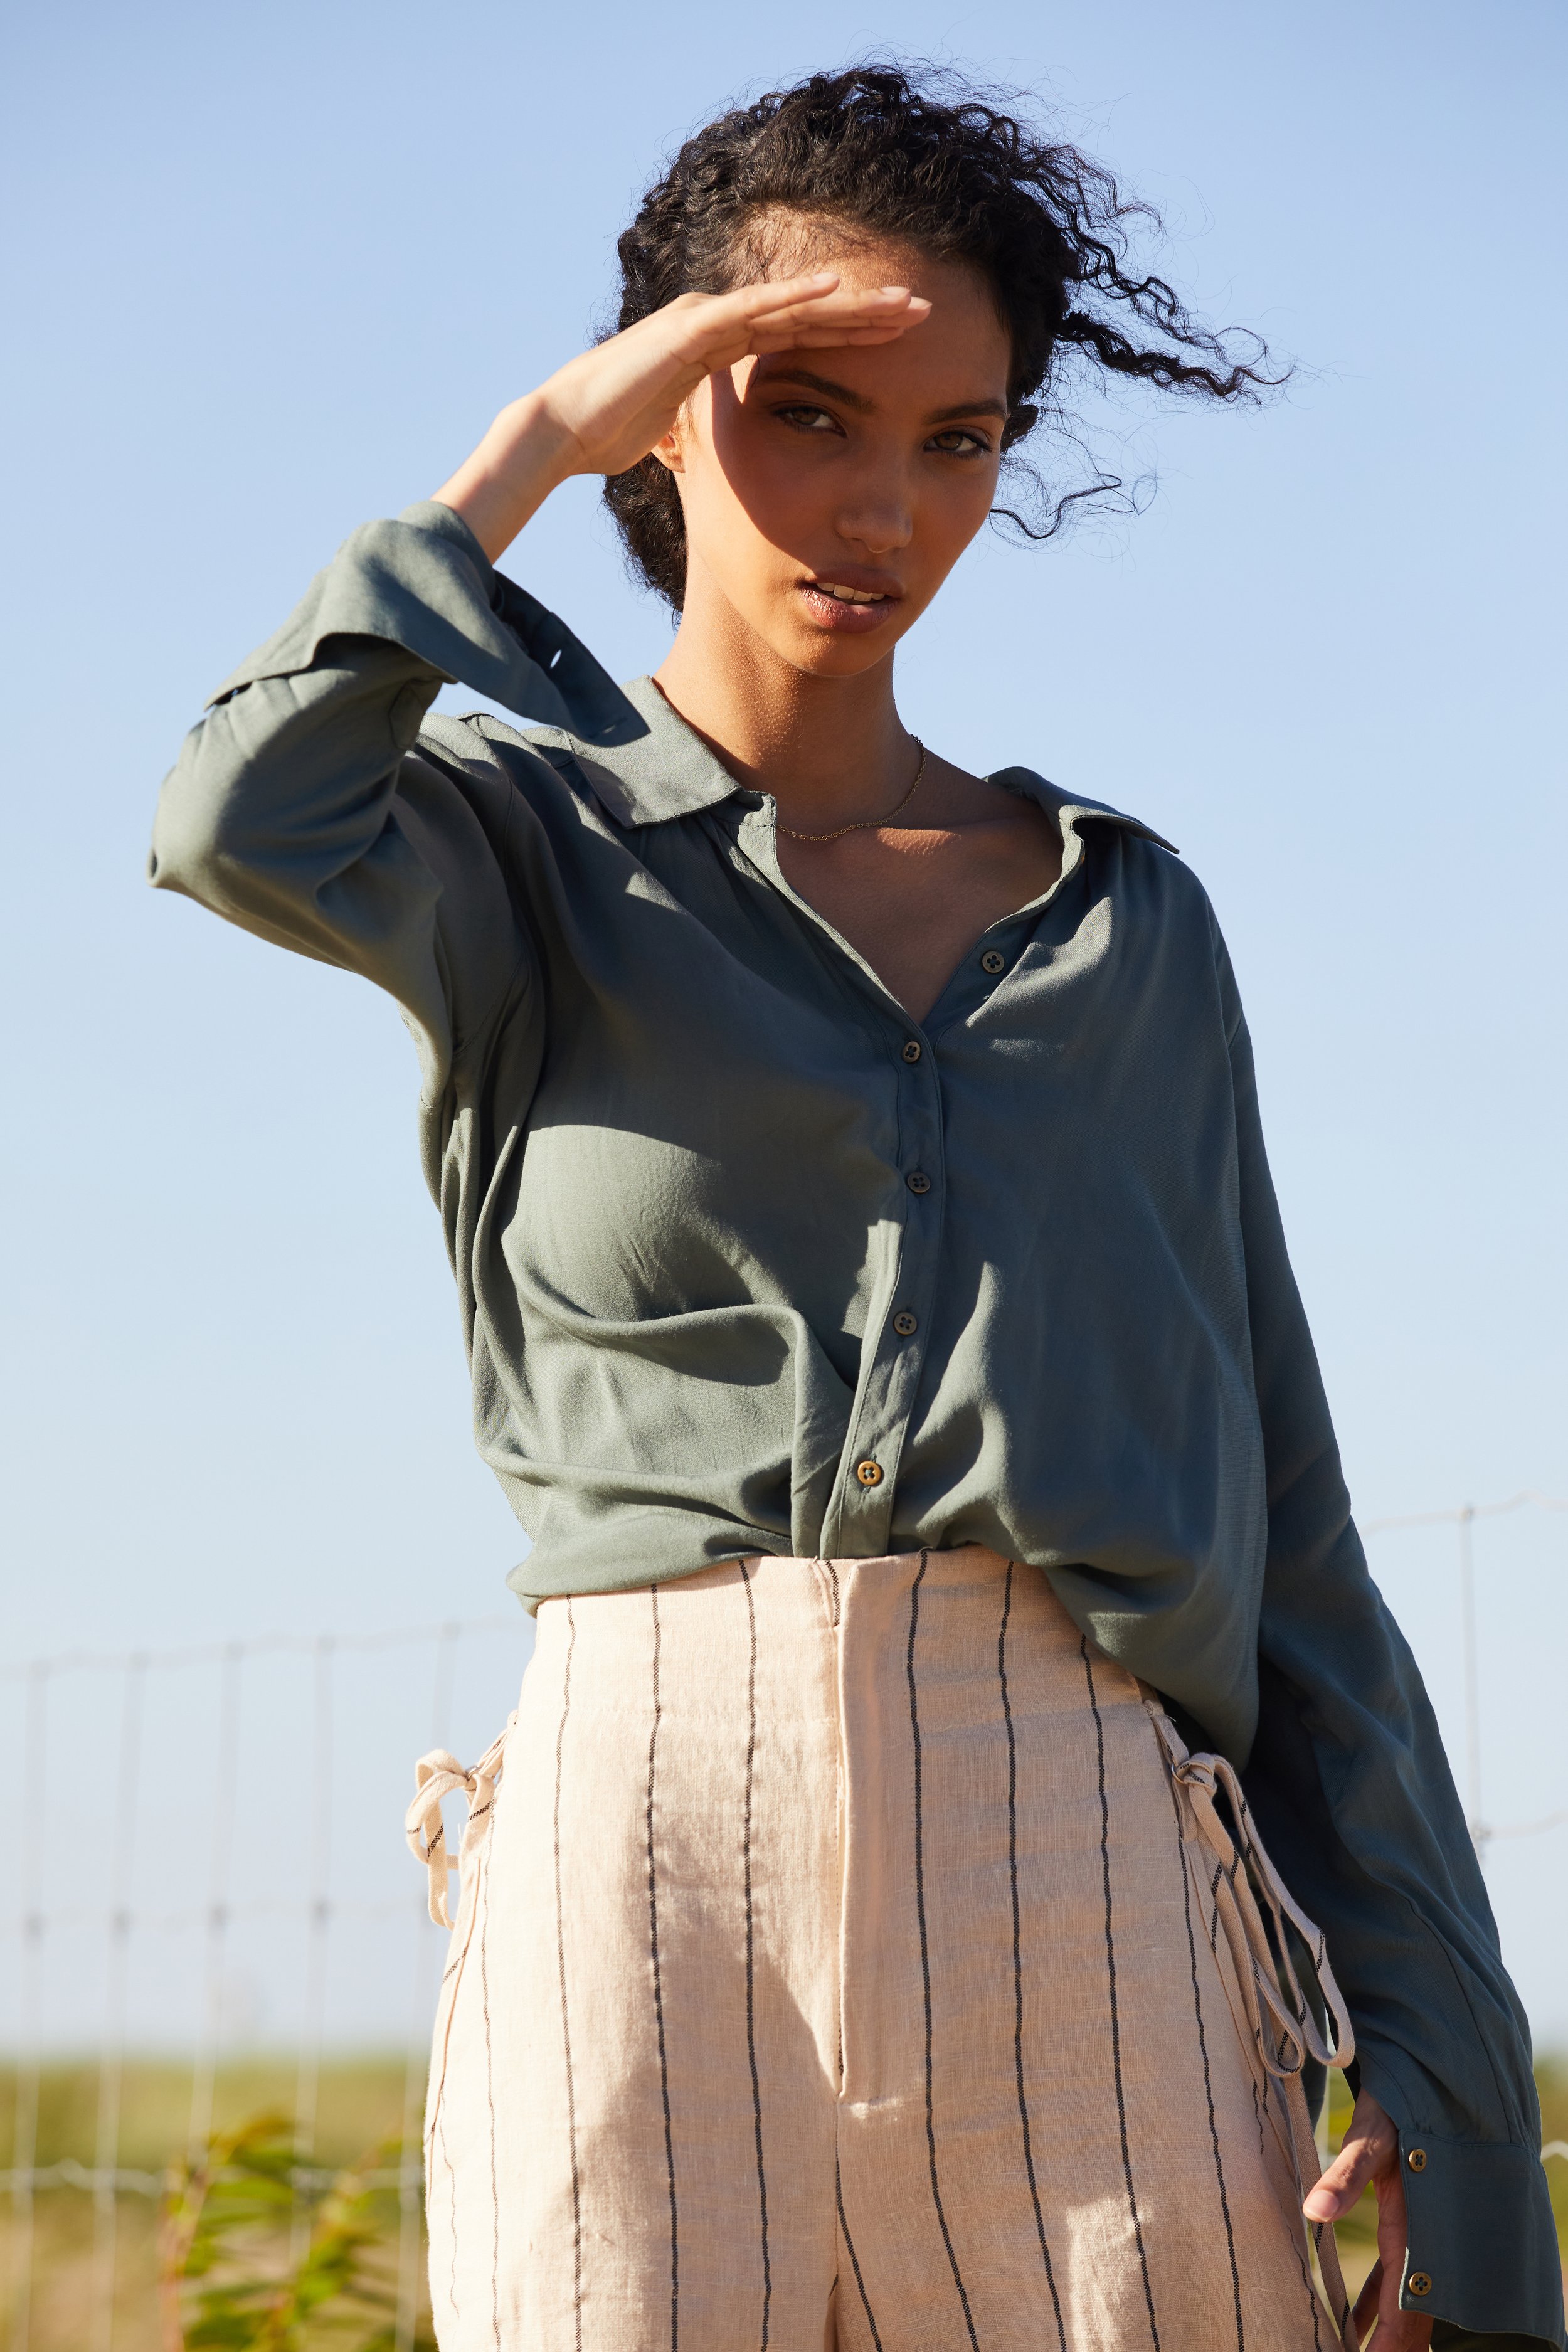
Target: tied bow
437, 1776
1250, 1888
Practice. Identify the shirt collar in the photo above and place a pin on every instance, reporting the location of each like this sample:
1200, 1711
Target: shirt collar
1069, 808
662, 769
659, 769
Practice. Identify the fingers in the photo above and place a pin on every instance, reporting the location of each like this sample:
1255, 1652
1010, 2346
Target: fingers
760, 300
1338, 2191
878, 315
781, 311
1371, 2149
828, 333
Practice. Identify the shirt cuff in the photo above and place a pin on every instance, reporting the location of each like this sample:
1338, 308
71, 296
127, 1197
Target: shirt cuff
1482, 2251
424, 582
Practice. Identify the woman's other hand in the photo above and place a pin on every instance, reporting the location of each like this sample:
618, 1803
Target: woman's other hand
1371, 2152
608, 407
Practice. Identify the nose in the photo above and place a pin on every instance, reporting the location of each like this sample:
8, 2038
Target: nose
877, 514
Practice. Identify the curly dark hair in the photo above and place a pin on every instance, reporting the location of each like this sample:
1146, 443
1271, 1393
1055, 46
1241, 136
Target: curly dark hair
957, 178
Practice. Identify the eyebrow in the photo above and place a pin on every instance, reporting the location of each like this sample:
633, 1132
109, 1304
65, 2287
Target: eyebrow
863, 407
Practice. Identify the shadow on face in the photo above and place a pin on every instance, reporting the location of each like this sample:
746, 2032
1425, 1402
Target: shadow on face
828, 492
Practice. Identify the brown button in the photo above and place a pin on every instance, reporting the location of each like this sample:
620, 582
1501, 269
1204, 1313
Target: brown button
911, 1049
869, 1473
1418, 2283
905, 1324
1416, 2160
918, 1181
992, 961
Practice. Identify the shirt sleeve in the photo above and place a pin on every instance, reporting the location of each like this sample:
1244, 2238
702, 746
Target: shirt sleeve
1352, 1792
303, 808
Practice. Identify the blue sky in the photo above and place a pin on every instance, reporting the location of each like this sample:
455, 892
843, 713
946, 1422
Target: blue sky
270, 273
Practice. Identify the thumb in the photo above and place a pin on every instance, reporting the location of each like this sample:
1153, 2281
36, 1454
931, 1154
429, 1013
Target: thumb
1340, 2185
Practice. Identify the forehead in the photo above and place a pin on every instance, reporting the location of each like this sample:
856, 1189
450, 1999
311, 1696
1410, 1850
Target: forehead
965, 333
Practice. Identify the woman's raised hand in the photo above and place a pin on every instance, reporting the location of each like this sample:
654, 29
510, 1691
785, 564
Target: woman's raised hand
611, 404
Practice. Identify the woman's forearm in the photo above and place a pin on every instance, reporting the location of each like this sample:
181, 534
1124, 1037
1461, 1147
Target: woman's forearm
527, 452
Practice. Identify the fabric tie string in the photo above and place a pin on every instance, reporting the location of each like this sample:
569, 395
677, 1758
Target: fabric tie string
1255, 1906
437, 1776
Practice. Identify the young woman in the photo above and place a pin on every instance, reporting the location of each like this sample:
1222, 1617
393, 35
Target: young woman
881, 1322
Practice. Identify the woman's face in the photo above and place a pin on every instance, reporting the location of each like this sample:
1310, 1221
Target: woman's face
812, 480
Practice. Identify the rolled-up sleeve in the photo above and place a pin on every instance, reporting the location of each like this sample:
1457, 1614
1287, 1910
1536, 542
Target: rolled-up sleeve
303, 809
1353, 1794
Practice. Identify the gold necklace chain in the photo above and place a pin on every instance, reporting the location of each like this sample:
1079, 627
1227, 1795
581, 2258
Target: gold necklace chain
866, 824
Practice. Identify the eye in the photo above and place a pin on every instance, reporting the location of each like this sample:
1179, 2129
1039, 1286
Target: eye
960, 441
808, 420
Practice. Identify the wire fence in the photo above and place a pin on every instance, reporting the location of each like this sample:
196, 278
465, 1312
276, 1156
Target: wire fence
1462, 1518
155, 1733
302, 1785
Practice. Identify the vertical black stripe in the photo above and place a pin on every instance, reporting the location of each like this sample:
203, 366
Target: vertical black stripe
1204, 2050
1312, 2295
1317, 2229
482, 1893
1110, 1975
1260, 2111
751, 1949
659, 1998
1018, 1953
565, 2019
1297, 2226
925, 1952
854, 2258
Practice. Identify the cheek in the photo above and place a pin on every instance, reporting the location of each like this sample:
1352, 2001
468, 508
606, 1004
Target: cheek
747, 491
954, 511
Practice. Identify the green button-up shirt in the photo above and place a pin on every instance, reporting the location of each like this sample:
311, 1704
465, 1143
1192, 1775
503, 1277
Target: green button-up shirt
752, 1261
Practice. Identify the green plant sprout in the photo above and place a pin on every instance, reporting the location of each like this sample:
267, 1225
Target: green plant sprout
257, 2252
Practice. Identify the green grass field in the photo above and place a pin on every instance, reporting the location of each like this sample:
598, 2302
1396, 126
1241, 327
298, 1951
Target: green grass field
361, 2109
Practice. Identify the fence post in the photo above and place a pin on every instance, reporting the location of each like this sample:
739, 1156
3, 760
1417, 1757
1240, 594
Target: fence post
307, 2079
111, 2058
204, 2066
25, 2141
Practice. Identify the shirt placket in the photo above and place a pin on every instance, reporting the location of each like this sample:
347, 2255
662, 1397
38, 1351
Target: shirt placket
859, 1519
860, 1516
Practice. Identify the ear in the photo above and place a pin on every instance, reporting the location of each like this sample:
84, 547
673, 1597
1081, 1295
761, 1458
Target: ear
670, 448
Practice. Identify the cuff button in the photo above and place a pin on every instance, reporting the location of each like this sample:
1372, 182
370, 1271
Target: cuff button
1418, 2283
1416, 2160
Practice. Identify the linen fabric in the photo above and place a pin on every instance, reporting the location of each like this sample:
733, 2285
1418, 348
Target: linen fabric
840, 1962
698, 1172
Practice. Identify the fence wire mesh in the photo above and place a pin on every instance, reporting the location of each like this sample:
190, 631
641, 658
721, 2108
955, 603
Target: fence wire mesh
243, 1840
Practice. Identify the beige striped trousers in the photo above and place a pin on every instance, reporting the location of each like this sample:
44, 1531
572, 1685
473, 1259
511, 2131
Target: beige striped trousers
849, 1954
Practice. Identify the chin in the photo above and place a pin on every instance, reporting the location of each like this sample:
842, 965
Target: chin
824, 653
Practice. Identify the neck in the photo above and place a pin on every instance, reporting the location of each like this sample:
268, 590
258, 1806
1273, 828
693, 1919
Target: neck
831, 751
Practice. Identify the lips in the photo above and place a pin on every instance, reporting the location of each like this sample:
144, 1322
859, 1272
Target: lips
855, 605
